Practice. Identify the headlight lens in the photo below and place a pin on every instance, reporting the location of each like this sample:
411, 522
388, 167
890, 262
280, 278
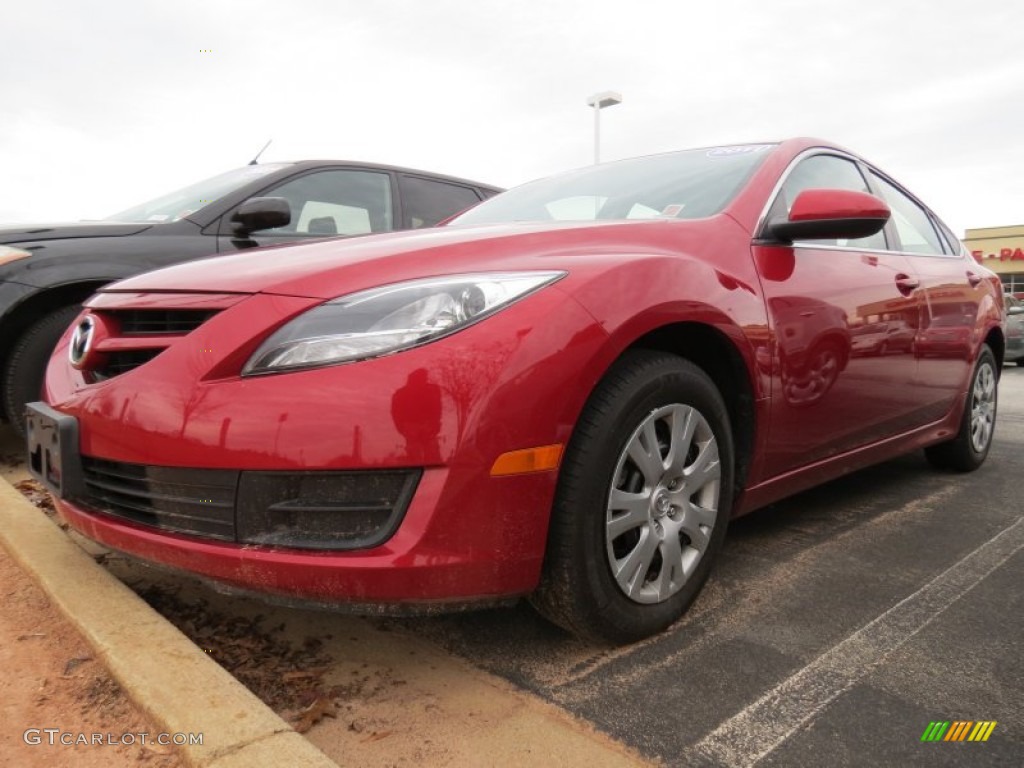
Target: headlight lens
8, 254
391, 318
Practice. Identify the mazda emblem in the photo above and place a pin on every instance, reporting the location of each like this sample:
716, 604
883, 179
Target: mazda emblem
81, 341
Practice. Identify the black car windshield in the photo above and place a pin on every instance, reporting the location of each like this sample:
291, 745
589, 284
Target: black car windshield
178, 205
678, 185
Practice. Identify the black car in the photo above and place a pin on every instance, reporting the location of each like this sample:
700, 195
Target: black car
46, 271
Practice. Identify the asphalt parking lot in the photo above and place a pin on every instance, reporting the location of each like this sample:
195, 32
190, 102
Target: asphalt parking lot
837, 626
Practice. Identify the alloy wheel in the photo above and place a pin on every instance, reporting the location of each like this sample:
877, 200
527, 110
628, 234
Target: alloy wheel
983, 407
663, 503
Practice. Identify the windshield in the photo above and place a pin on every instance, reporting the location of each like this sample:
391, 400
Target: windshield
180, 204
678, 185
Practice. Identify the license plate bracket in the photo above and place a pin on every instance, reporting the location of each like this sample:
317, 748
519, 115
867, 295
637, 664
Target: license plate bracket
53, 458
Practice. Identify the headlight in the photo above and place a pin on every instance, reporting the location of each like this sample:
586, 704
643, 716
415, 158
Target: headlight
391, 318
8, 254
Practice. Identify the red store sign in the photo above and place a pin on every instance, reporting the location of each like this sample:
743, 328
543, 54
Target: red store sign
1005, 254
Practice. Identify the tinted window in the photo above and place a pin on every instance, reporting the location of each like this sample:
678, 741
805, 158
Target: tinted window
956, 248
678, 185
824, 172
427, 202
917, 235
336, 203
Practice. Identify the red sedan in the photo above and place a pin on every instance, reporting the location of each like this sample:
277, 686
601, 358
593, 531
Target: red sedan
564, 393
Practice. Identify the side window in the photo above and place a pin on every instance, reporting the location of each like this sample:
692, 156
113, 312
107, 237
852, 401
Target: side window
427, 202
336, 203
913, 225
825, 172
956, 248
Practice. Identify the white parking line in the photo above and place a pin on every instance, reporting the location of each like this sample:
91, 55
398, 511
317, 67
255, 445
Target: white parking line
753, 733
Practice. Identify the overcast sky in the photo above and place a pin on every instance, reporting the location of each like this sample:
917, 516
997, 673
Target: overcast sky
110, 103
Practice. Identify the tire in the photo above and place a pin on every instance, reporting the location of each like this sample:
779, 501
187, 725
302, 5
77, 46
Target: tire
678, 517
967, 451
26, 365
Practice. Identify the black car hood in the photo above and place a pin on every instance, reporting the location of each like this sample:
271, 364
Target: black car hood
24, 233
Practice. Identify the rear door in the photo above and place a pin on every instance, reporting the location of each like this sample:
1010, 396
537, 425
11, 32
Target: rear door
951, 292
835, 384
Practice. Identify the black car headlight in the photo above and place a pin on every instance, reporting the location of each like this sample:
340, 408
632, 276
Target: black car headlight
9, 253
388, 319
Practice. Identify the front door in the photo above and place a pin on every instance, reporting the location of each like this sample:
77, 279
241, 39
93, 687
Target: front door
325, 203
843, 315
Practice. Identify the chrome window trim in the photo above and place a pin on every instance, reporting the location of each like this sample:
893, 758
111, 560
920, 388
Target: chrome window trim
814, 151
850, 249
813, 246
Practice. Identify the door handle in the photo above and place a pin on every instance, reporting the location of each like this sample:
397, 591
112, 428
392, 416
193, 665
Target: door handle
973, 279
907, 284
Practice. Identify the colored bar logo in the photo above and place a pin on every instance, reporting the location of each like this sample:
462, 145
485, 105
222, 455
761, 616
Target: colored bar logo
958, 730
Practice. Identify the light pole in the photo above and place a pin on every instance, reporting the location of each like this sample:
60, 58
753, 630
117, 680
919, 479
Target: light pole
599, 101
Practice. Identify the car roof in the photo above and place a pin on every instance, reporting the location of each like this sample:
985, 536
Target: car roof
303, 164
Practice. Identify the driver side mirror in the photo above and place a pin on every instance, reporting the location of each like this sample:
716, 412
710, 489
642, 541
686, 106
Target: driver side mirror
830, 214
258, 213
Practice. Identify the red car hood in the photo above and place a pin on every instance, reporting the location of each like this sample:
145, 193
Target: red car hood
330, 268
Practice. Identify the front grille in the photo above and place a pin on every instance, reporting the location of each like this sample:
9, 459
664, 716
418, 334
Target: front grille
195, 501
116, 363
300, 510
130, 337
142, 322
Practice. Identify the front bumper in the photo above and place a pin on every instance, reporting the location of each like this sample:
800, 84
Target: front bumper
405, 570
447, 409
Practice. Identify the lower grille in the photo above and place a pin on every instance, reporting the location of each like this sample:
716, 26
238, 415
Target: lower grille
116, 363
195, 501
323, 510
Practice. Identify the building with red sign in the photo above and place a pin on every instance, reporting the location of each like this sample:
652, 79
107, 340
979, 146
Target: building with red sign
1001, 249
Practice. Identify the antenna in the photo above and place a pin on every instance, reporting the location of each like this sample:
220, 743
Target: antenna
253, 161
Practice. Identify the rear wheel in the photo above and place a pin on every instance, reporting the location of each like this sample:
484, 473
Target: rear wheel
967, 451
643, 501
26, 365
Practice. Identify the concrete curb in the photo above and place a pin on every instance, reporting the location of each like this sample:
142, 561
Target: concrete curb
177, 685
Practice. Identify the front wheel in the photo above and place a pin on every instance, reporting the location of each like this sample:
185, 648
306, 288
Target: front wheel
967, 451
643, 501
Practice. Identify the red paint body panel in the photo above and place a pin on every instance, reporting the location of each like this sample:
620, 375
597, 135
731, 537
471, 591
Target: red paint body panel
810, 204
520, 379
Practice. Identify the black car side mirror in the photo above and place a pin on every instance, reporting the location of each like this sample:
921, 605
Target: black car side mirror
258, 213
